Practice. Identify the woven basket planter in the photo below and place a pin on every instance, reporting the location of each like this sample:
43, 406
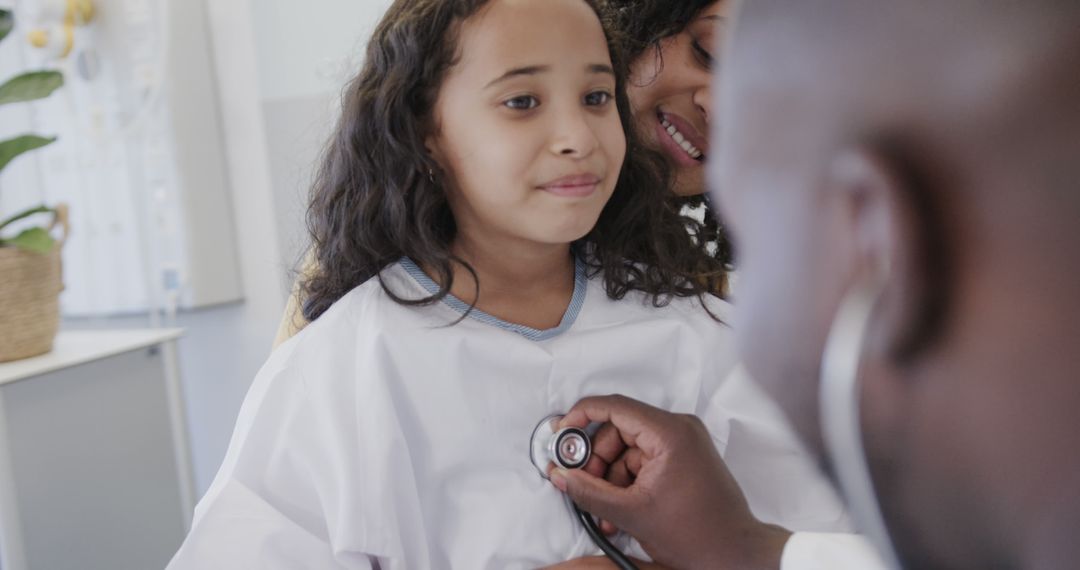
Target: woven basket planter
30, 288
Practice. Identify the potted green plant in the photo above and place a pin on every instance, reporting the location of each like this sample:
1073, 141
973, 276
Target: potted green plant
30, 281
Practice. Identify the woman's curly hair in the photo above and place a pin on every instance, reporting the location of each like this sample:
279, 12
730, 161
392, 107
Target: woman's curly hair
642, 24
377, 198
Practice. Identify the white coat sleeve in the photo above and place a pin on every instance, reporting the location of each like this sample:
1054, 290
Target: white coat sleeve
780, 479
829, 551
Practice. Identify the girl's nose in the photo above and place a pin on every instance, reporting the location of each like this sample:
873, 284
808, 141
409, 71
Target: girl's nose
573, 136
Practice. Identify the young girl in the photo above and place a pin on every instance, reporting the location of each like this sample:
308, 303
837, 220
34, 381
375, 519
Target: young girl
669, 47
494, 244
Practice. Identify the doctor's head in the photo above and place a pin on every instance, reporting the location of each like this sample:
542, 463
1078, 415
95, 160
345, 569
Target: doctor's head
927, 153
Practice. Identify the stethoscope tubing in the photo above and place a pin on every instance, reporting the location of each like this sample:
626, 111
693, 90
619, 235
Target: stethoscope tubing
602, 542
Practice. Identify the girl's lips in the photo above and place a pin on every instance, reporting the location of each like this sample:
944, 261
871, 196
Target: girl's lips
574, 186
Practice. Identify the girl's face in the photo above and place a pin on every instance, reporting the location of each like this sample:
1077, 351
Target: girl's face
670, 96
528, 132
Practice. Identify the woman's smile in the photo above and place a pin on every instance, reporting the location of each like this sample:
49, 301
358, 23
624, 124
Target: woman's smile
680, 140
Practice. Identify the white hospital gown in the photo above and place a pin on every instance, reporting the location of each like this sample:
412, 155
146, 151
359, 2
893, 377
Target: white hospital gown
383, 437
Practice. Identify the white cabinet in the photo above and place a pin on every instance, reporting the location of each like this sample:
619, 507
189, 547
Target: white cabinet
94, 464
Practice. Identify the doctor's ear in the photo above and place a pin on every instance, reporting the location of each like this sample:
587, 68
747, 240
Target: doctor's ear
898, 242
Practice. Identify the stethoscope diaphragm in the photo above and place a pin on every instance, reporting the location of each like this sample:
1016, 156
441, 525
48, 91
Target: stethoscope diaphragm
571, 448
568, 448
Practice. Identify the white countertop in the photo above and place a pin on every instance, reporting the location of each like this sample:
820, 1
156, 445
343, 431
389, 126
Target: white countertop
78, 347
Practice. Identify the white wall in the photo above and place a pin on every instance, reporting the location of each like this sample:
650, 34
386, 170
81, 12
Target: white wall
280, 66
304, 60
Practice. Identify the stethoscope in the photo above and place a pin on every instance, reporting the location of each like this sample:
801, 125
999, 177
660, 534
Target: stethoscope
571, 448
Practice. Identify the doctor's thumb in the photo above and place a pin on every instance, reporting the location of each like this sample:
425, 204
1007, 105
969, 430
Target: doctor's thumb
592, 494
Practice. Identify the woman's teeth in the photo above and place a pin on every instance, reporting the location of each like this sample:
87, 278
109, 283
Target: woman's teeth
680, 139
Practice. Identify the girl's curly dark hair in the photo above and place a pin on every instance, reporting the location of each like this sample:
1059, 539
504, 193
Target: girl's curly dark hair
376, 195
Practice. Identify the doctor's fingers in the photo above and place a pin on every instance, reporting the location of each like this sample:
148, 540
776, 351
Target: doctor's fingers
622, 473
624, 470
608, 528
621, 507
607, 446
638, 424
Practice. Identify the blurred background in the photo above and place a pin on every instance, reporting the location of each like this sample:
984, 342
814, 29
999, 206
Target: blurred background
186, 132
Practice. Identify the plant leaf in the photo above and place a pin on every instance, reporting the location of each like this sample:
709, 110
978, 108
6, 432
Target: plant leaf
11, 148
30, 86
36, 240
26, 214
7, 22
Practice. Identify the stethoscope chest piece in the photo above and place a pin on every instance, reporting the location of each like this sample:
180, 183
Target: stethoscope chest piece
568, 448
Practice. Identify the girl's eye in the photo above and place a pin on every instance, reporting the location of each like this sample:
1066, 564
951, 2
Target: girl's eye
702, 54
522, 102
597, 98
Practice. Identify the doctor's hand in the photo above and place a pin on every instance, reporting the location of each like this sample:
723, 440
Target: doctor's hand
669, 488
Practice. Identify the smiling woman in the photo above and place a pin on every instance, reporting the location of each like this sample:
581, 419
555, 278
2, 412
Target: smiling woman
671, 45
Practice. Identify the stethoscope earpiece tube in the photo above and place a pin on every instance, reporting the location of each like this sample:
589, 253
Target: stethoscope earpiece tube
840, 415
602, 542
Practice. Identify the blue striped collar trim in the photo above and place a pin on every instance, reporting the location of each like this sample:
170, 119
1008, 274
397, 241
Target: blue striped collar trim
577, 301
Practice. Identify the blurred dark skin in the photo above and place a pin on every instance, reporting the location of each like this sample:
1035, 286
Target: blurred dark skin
936, 146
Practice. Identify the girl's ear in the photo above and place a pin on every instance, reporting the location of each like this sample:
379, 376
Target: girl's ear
432, 143
431, 147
